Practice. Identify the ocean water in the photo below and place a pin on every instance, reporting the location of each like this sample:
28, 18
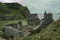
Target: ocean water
55, 16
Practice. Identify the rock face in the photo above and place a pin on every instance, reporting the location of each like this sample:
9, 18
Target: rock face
45, 22
33, 19
9, 32
15, 25
12, 32
26, 12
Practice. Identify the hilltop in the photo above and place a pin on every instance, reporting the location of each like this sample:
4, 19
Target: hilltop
12, 11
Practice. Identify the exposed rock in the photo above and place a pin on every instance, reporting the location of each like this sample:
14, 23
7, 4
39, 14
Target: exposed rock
45, 22
13, 25
10, 32
9, 11
48, 18
26, 12
20, 25
33, 19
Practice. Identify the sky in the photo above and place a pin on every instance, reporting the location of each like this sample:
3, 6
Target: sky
39, 6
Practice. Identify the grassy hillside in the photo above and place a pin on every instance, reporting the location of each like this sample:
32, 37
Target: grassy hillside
52, 32
12, 9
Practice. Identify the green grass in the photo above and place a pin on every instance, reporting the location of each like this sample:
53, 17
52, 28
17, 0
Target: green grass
11, 9
52, 32
5, 22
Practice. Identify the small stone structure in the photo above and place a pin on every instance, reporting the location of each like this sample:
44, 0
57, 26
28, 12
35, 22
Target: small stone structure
33, 19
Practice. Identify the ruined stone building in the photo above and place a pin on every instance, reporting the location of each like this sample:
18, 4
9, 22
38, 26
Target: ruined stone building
33, 19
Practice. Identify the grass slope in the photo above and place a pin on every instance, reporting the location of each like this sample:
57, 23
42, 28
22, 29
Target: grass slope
52, 32
12, 9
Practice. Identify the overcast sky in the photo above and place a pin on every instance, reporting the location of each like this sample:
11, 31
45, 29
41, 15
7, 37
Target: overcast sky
39, 6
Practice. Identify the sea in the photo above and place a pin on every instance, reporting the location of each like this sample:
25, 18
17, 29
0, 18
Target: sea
55, 16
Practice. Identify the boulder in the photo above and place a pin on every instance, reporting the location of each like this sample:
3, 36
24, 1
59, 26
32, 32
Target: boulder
9, 32
13, 25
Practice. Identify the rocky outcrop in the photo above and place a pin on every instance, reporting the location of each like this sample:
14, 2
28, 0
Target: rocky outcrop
44, 23
9, 11
46, 20
15, 25
25, 12
33, 19
9, 32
